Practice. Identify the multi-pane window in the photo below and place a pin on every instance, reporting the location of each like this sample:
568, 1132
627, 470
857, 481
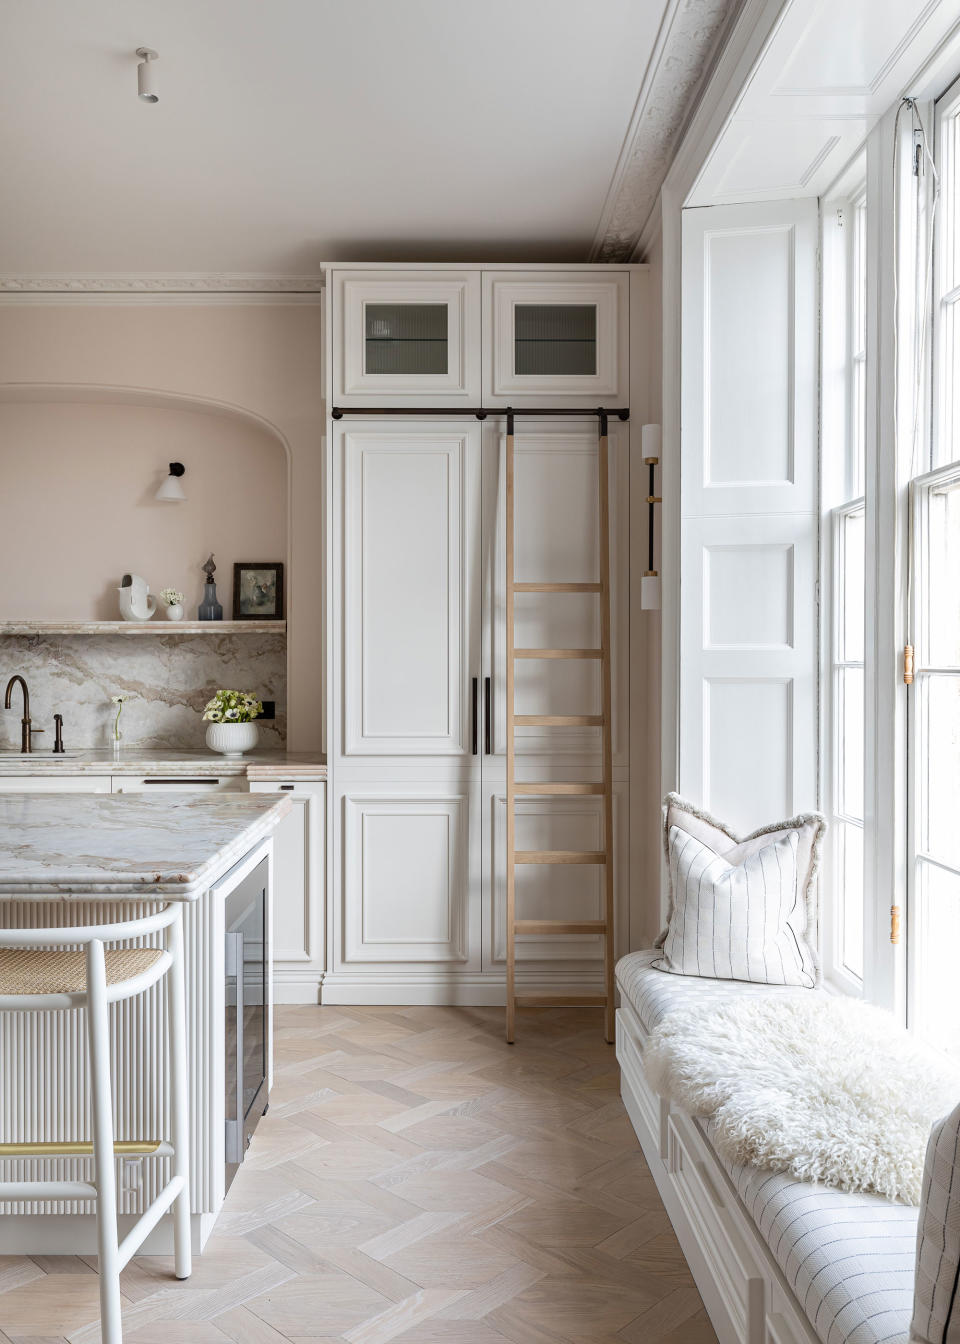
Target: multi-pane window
845, 438
933, 905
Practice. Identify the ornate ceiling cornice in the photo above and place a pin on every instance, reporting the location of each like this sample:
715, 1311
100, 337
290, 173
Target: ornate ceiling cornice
689, 38
162, 284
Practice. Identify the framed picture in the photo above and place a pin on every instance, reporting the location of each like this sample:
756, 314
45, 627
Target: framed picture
257, 591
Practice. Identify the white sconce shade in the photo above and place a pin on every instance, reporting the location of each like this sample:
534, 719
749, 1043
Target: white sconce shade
650, 441
170, 490
147, 75
650, 592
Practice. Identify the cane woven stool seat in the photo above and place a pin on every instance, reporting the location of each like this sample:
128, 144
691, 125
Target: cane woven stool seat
55, 971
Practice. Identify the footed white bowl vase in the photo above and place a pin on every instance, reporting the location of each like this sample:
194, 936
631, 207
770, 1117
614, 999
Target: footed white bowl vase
232, 739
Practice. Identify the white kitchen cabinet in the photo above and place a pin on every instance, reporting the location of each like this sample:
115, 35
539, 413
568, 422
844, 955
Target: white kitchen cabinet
299, 941
416, 596
556, 338
411, 587
406, 336
55, 784
419, 677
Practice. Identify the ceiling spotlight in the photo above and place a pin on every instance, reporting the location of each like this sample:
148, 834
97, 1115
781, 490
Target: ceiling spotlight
146, 75
170, 489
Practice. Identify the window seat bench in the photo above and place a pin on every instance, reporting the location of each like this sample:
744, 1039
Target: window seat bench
776, 1260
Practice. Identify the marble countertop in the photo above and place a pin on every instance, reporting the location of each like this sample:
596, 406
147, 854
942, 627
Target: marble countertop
157, 761
127, 844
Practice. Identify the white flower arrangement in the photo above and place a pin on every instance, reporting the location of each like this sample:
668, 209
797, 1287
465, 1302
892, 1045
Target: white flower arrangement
232, 707
170, 597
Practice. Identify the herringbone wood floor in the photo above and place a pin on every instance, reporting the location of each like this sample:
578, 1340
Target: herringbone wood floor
416, 1179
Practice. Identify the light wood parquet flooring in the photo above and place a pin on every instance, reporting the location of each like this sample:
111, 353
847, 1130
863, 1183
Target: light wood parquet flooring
418, 1180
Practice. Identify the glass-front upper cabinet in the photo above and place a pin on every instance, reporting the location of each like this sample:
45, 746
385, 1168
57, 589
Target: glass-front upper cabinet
406, 337
555, 336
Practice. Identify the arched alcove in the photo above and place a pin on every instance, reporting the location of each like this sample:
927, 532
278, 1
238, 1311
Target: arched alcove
79, 470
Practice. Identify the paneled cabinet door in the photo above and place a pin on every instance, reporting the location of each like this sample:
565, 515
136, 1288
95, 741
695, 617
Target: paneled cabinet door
298, 882
411, 875
411, 589
406, 336
556, 336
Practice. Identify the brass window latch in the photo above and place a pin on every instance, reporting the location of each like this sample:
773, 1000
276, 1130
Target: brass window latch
895, 925
908, 665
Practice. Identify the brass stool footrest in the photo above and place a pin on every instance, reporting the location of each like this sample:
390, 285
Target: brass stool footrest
84, 1148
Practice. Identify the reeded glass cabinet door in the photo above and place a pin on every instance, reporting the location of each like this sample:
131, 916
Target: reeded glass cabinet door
406, 336
555, 336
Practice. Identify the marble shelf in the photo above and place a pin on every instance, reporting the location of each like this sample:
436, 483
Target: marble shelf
154, 627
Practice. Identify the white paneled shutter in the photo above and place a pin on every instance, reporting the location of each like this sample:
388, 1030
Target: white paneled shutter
749, 511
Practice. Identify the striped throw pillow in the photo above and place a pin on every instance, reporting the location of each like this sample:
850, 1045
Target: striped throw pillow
936, 1311
737, 921
748, 918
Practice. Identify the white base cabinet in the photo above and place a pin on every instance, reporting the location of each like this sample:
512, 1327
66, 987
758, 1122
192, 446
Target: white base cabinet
299, 942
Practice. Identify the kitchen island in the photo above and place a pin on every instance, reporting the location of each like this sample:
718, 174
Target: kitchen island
68, 859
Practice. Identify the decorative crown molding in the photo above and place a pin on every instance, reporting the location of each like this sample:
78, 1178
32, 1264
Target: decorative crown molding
689, 38
217, 283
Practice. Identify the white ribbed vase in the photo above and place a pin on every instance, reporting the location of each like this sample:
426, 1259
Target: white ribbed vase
232, 739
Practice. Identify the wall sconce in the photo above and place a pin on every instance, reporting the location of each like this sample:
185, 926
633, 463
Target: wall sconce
170, 489
146, 75
650, 583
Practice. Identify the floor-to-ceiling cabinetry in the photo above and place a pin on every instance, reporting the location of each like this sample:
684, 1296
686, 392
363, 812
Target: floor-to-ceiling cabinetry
416, 738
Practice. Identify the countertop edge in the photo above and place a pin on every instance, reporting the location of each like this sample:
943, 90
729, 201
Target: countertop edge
182, 886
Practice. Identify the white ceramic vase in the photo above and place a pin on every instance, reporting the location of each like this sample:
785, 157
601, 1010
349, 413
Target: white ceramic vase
174, 612
232, 739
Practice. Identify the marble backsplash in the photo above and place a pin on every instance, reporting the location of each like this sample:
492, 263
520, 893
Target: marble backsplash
167, 679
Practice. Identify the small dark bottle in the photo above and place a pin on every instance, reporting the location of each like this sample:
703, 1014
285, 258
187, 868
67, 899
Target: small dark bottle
210, 609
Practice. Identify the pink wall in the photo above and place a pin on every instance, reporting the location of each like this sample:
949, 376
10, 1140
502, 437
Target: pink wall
253, 369
79, 482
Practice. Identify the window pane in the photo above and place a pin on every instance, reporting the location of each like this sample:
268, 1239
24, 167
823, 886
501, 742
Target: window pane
943, 571
850, 746
850, 876
936, 929
851, 627
940, 758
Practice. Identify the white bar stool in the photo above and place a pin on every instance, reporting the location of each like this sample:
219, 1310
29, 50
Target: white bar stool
40, 972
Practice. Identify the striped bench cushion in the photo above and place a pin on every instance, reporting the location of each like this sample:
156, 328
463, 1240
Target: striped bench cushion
654, 993
849, 1258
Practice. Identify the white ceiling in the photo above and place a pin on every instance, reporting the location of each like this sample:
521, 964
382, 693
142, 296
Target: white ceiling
294, 131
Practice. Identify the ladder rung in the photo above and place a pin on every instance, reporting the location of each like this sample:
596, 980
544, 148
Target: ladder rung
560, 1000
558, 653
559, 926
558, 788
559, 856
556, 587
558, 720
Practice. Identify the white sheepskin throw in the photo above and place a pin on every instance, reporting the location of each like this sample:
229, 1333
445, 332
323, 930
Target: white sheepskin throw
827, 1089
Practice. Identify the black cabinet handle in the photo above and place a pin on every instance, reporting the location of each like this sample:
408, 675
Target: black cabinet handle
286, 788
487, 718
474, 721
204, 780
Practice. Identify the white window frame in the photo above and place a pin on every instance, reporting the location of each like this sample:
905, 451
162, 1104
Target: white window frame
843, 443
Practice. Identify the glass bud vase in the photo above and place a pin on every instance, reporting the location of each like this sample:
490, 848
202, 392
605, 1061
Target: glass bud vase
210, 609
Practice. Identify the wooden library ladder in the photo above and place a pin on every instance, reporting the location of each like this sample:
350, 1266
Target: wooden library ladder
604, 789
